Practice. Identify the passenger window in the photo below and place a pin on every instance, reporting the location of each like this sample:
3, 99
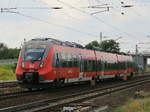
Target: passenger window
85, 66
89, 66
93, 65
64, 60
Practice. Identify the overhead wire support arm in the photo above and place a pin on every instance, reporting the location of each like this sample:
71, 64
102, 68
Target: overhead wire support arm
127, 6
97, 6
101, 6
98, 19
8, 10
107, 9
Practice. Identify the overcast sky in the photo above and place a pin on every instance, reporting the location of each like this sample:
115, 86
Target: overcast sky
74, 23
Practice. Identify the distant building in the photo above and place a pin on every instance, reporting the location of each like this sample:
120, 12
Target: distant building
141, 59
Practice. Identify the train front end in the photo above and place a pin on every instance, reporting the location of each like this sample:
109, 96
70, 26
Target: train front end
32, 68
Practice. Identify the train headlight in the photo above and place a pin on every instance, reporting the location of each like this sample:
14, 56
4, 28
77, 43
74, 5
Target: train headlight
41, 64
23, 65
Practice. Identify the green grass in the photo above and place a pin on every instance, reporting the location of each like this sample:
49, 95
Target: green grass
7, 72
148, 69
8, 60
136, 105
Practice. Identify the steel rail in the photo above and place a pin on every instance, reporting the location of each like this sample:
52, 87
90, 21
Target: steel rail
19, 94
5, 84
50, 103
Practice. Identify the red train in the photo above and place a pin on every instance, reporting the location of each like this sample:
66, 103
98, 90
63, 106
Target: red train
47, 61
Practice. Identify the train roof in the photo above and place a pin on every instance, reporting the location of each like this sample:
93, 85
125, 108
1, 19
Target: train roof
51, 41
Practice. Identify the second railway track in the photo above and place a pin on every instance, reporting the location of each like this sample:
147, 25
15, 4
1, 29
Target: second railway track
77, 97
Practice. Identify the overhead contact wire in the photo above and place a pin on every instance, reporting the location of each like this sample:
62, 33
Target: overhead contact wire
58, 25
98, 19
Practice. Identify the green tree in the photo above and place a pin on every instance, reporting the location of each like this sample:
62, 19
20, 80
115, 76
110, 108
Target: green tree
106, 45
3, 51
92, 45
110, 46
3, 46
8, 53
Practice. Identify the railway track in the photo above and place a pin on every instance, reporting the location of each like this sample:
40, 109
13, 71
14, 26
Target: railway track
20, 93
14, 90
14, 83
24, 92
5, 84
77, 97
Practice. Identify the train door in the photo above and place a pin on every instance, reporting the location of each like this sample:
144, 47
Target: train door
96, 63
102, 65
57, 65
126, 67
81, 73
57, 60
118, 68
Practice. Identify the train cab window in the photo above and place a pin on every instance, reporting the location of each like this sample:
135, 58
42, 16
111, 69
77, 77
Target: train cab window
34, 53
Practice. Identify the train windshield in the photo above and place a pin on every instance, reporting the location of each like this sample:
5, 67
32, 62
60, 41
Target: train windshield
34, 53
